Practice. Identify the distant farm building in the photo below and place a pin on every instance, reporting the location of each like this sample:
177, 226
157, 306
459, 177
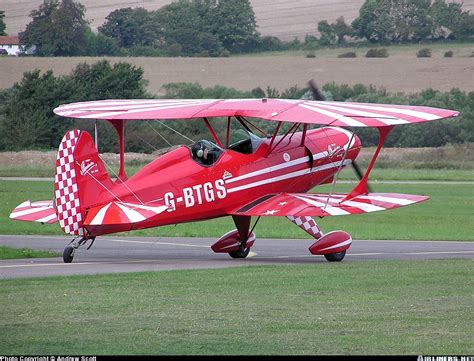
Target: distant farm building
10, 45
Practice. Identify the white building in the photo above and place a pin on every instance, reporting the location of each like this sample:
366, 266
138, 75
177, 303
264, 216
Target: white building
12, 45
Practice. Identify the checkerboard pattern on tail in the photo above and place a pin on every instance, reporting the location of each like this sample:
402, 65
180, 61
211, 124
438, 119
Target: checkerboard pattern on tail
66, 193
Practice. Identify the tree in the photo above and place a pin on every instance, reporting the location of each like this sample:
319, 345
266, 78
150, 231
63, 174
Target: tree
374, 21
327, 33
341, 29
461, 23
234, 24
131, 27
2, 24
26, 116
57, 29
28, 119
393, 20
182, 23
101, 45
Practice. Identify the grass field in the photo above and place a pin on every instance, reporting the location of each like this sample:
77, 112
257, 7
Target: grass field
398, 73
376, 307
15, 253
446, 216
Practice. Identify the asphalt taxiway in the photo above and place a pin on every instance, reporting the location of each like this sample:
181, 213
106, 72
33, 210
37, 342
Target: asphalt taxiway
137, 254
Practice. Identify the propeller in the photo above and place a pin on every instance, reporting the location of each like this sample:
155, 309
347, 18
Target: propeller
318, 96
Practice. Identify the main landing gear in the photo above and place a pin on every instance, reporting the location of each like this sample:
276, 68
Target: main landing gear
70, 250
237, 243
332, 245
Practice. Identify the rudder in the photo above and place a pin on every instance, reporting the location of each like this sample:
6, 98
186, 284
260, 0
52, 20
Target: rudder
78, 167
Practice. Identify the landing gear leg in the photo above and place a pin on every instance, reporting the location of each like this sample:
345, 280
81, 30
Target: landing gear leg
70, 250
243, 226
237, 243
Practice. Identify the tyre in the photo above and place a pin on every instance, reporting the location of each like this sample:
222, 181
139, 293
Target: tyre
68, 254
335, 257
241, 253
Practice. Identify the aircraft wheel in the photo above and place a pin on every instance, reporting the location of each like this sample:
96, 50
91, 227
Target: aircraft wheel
241, 253
68, 254
335, 257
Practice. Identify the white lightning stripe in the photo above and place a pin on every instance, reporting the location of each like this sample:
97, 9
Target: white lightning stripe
333, 211
296, 161
28, 211
366, 207
339, 117
401, 201
132, 215
47, 218
124, 111
288, 176
413, 113
349, 241
47, 204
387, 119
276, 167
99, 217
156, 210
102, 105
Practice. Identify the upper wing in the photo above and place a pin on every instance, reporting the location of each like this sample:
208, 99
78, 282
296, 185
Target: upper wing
321, 205
42, 211
285, 110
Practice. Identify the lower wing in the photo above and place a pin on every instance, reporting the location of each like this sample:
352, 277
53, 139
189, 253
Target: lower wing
322, 205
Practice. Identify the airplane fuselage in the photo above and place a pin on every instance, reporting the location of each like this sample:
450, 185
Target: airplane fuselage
192, 191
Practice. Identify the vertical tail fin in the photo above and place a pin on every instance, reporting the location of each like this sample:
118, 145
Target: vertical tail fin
79, 180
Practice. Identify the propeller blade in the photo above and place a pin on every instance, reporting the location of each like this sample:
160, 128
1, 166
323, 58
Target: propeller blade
360, 174
317, 95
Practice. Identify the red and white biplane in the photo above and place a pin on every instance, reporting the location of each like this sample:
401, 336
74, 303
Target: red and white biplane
256, 175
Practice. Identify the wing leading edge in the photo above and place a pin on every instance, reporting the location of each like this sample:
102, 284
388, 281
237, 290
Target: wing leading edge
322, 205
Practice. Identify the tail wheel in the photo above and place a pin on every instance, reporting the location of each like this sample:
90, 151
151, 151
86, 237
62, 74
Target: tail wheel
68, 254
335, 257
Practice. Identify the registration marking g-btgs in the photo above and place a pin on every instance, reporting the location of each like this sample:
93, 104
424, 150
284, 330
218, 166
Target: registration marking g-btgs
198, 194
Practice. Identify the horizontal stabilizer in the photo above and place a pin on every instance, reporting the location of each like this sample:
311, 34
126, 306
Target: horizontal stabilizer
41, 211
321, 205
118, 213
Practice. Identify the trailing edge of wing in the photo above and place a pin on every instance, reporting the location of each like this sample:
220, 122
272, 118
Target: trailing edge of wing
284, 110
321, 205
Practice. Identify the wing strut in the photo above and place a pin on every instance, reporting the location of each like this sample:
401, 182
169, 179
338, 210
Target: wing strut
292, 130
361, 187
119, 126
213, 133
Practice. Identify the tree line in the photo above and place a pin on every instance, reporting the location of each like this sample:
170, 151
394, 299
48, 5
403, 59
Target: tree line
27, 120
197, 27
223, 27
393, 21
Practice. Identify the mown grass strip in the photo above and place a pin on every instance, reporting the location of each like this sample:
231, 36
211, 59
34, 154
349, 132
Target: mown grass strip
16, 253
376, 307
446, 216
